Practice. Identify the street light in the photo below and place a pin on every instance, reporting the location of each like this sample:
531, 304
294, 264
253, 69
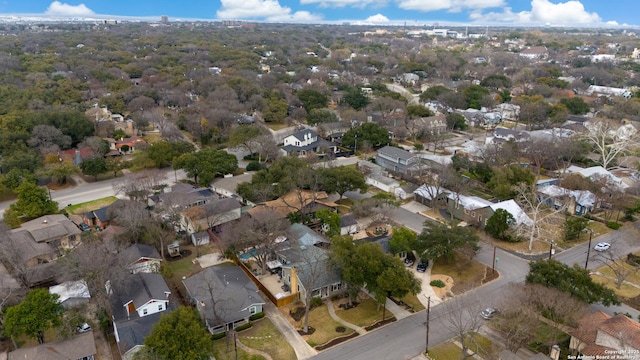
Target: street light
586, 263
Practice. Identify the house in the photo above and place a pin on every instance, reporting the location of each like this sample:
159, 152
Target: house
79, 347
519, 216
535, 53
470, 209
431, 195
136, 305
225, 297
307, 142
348, 225
126, 145
431, 125
210, 215
140, 258
98, 218
377, 177
397, 160
184, 196
76, 156
596, 90
576, 202
599, 335
597, 173
72, 293
56, 230
304, 264
405, 192
303, 202
503, 134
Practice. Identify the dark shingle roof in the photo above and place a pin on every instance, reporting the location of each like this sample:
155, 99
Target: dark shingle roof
137, 251
395, 152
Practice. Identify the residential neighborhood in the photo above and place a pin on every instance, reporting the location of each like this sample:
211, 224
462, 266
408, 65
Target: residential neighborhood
279, 191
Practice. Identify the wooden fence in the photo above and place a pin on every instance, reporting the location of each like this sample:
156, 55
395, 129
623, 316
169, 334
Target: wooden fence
277, 302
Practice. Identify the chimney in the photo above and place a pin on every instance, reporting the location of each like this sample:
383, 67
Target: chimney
294, 280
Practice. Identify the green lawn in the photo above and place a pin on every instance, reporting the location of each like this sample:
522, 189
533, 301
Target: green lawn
325, 327
466, 273
479, 344
364, 314
264, 336
412, 300
90, 205
446, 351
224, 349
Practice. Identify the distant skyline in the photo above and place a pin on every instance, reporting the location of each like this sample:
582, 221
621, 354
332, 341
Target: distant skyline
574, 13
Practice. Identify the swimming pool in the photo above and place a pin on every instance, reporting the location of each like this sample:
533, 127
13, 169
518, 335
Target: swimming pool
248, 255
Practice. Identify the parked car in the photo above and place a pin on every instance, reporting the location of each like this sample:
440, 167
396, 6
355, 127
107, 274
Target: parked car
83, 328
84, 227
409, 260
488, 313
422, 265
602, 246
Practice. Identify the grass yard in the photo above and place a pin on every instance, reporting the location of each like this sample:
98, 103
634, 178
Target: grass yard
446, 351
412, 300
152, 137
466, 273
626, 290
224, 351
325, 326
276, 126
90, 205
185, 265
480, 194
597, 227
364, 314
264, 336
481, 346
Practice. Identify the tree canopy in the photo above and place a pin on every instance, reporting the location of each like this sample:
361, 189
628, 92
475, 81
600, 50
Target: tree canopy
312, 99
180, 334
498, 223
344, 178
573, 280
38, 312
370, 133
205, 165
33, 202
441, 241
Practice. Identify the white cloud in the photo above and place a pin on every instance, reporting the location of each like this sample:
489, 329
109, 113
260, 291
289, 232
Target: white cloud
344, 3
64, 9
450, 5
269, 10
377, 19
571, 12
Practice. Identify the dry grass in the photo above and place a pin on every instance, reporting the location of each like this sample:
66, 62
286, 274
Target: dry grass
365, 314
446, 351
224, 350
264, 336
626, 291
276, 126
90, 205
412, 300
325, 327
152, 137
466, 273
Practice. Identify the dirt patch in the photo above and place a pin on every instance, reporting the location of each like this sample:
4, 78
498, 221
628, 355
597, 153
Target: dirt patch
380, 323
336, 341
448, 285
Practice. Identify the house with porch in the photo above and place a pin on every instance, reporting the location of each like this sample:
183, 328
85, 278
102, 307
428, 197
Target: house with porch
140, 258
576, 202
202, 217
224, 296
307, 142
303, 256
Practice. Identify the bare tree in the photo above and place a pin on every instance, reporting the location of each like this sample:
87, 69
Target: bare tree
133, 216
139, 186
266, 148
462, 318
618, 265
536, 206
516, 321
611, 139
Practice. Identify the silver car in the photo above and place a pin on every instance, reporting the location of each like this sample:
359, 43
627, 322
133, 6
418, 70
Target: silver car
488, 313
602, 246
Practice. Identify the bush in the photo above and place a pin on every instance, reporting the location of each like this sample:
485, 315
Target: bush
218, 336
256, 316
437, 283
613, 225
244, 326
315, 302
254, 166
340, 329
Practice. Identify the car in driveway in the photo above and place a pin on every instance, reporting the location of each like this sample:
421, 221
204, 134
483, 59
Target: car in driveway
422, 265
488, 313
602, 246
84, 227
84, 327
409, 260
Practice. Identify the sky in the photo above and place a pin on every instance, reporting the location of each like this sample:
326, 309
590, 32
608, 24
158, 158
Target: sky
575, 13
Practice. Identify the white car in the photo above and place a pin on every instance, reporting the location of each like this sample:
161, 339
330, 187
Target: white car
602, 246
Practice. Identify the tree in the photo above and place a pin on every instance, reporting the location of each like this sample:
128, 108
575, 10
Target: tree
330, 222
611, 139
441, 241
180, 335
573, 227
38, 312
462, 319
115, 164
60, 171
344, 178
94, 167
275, 181
371, 133
33, 202
355, 98
505, 178
16, 176
321, 116
275, 109
205, 165
162, 153
498, 224
576, 105
534, 110
537, 208
620, 267
402, 240
244, 136
312, 99
456, 121
434, 92
473, 96
48, 139
573, 280
496, 81
417, 111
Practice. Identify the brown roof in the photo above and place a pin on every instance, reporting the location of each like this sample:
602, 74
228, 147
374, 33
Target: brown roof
77, 347
293, 201
215, 208
621, 325
587, 330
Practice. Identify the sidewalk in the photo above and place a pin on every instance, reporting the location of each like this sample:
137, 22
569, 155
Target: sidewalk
332, 313
301, 348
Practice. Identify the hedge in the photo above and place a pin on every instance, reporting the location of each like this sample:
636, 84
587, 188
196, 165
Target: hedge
244, 326
437, 283
218, 336
256, 316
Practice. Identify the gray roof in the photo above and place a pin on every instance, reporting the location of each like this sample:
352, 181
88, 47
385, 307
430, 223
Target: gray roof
396, 153
186, 194
300, 134
77, 347
25, 246
49, 227
139, 288
133, 332
348, 220
138, 251
232, 290
313, 145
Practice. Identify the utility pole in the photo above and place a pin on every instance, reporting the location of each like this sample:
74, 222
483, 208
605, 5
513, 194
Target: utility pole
550, 249
493, 267
426, 350
586, 263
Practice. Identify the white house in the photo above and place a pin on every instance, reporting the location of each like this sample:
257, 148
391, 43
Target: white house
71, 293
306, 142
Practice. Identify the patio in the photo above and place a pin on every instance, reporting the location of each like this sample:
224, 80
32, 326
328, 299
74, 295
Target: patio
274, 284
